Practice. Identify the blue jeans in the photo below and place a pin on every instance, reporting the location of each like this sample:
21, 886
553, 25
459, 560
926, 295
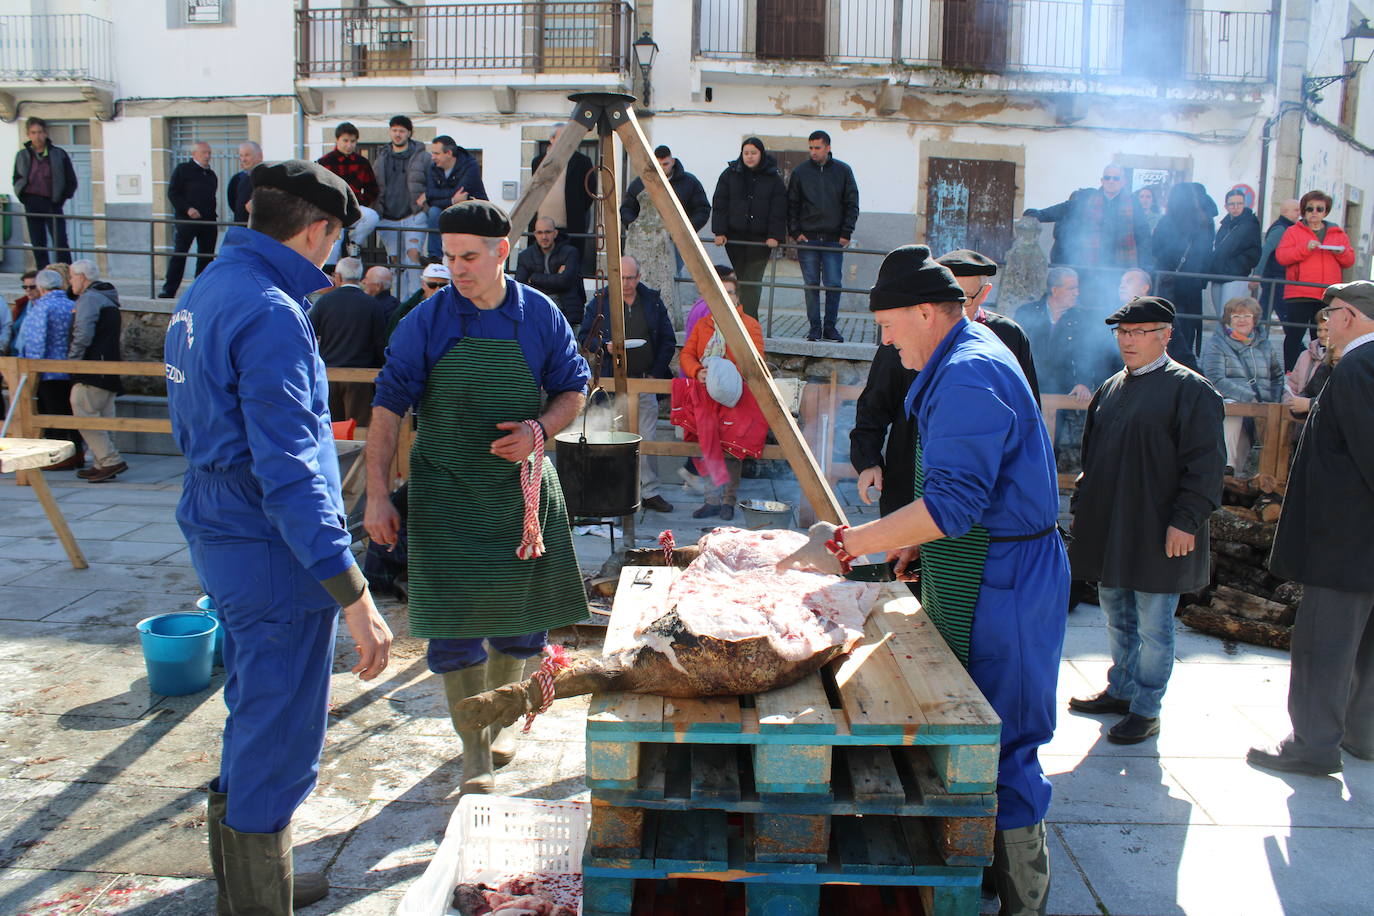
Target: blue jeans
434, 241
455, 654
816, 257
1140, 626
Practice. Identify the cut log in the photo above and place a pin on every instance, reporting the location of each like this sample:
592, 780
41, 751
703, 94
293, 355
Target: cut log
1255, 632
1242, 576
1236, 492
1242, 552
1267, 483
1252, 607
1289, 593
1227, 526
1269, 506
1249, 515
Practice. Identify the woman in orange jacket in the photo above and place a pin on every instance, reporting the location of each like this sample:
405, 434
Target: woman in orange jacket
702, 343
1314, 250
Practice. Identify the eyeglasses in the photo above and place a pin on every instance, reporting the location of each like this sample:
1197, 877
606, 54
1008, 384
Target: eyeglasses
1314, 209
29, 286
435, 285
1113, 178
1135, 333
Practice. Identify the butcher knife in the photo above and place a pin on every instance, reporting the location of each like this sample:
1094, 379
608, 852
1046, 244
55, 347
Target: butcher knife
871, 572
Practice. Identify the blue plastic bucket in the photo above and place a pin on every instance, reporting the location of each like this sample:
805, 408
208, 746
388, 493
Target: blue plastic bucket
178, 650
207, 605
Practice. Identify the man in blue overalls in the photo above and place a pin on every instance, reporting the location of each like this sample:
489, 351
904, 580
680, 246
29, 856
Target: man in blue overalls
263, 514
986, 503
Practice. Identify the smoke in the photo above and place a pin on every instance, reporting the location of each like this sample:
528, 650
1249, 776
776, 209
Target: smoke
604, 413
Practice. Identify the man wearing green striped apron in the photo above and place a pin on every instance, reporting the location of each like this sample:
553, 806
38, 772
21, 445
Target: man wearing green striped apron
492, 370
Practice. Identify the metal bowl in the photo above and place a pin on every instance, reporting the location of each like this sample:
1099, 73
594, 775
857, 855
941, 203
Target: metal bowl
765, 513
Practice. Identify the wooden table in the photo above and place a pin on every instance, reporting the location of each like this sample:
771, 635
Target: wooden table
26, 456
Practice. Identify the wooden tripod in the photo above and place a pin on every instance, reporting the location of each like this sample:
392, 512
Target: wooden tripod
612, 114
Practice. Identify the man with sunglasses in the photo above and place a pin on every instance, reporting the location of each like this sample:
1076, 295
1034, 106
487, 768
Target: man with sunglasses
1323, 541
1153, 458
13, 318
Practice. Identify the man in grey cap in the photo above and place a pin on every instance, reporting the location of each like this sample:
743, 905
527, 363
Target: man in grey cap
1325, 540
262, 512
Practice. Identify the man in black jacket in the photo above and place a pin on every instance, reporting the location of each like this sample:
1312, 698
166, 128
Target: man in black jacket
568, 202
351, 328
1152, 465
240, 189
95, 336
192, 192
44, 180
822, 210
555, 269
1324, 540
1235, 251
1271, 296
685, 185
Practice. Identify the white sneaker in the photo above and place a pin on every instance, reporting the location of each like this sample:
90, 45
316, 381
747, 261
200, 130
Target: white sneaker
691, 481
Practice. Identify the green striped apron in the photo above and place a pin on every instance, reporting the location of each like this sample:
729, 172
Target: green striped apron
951, 576
466, 511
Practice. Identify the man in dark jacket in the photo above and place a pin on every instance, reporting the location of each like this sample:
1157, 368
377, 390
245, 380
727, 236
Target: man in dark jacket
1236, 250
749, 217
351, 329
95, 336
1070, 352
454, 175
400, 168
822, 210
44, 180
1152, 465
649, 346
240, 189
568, 202
555, 269
1271, 296
193, 191
1324, 541
685, 185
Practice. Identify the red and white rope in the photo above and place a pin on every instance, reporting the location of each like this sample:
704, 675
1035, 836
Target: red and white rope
665, 540
531, 479
555, 660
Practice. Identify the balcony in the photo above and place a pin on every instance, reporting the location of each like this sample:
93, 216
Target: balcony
580, 36
1075, 39
60, 48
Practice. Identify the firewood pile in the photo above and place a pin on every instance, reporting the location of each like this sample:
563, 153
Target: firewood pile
1244, 602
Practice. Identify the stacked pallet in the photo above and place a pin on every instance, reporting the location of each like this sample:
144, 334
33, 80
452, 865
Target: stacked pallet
878, 770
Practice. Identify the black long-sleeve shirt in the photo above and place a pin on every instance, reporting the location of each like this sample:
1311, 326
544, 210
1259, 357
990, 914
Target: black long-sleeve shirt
193, 188
351, 326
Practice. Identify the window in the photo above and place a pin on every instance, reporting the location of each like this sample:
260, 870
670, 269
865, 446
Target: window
224, 136
204, 11
183, 14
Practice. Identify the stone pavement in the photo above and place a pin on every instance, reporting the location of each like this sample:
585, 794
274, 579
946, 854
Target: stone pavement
101, 794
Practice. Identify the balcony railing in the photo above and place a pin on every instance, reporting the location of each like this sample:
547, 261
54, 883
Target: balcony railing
579, 35
1086, 38
60, 47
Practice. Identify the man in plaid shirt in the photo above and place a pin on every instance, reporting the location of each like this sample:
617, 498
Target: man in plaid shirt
345, 161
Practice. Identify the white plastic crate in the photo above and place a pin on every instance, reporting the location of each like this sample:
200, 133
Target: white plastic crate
490, 836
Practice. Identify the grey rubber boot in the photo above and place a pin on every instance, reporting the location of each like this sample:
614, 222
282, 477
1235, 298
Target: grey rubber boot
215, 806
257, 871
1021, 870
503, 669
478, 778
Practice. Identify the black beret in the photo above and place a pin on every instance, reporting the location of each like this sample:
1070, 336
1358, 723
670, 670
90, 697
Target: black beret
1143, 310
402, 121
475, 217
909, 276
310, 182
965, 262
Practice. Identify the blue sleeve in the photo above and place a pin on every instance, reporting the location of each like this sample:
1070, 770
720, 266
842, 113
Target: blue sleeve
401, 383
275, 362
564, 368
472, 180
963, 438
33, 334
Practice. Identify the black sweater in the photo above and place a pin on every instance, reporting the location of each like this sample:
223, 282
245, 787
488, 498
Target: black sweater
193, 187
351, 326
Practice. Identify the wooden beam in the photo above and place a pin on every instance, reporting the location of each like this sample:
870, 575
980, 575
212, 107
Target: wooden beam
549, 170
56, 518
610, 225
752, 368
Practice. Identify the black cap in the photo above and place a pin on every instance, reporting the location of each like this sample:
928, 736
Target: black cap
402, 121
310, 182
475, 217
910, 276
965, 262
1143, 310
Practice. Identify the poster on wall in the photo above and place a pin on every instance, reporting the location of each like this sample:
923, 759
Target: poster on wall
1143, 178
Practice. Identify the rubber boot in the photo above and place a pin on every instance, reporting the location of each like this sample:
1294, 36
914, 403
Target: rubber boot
503, 669
215, 806
1021, 870
478, 778
257, 872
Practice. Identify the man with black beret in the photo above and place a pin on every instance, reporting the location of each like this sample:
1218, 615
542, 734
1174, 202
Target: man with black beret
994, 576
262, 512
492, 369
1153, 458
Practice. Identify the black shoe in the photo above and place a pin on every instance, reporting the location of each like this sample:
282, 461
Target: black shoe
813, 335
1133, 729
657, 504
707, 511
832, 334
1354, 751
1101, 704
166, 295
99, 475
727, 512
1273, 758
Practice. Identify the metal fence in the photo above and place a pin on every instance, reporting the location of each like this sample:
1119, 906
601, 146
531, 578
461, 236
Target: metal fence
576, 35
1069, 37
71, 46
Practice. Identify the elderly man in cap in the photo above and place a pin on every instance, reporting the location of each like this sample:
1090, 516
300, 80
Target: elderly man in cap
986, 500
263, 514
1325, 540
880, 412
492, 368
1153, 458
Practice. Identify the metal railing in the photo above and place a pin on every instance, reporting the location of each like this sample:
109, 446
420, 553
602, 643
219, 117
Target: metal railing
73, 46
1084, 38
537, 37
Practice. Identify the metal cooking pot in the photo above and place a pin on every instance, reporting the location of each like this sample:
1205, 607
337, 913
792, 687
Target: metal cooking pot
599, 473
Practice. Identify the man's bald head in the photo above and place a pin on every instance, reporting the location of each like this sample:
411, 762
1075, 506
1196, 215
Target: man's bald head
545, 233
1134, 284
377, 280
1290, 209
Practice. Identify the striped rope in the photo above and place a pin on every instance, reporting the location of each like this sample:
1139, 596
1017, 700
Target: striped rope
531, 478
665, 540
555, 660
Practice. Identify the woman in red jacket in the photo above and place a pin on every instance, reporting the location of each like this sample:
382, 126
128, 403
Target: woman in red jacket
1314, 251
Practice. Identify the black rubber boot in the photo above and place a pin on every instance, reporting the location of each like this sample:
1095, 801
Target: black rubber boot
257, 872
215, 806
503, 669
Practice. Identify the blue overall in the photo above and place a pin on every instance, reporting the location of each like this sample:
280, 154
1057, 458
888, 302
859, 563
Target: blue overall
987, 464
262, 511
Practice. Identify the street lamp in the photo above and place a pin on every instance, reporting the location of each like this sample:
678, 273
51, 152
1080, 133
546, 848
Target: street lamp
646, 49
1357, 47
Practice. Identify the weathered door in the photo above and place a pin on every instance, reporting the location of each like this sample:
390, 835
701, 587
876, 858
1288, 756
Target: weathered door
791, 29
1154, 38
970, 204
974, 34
75, 138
